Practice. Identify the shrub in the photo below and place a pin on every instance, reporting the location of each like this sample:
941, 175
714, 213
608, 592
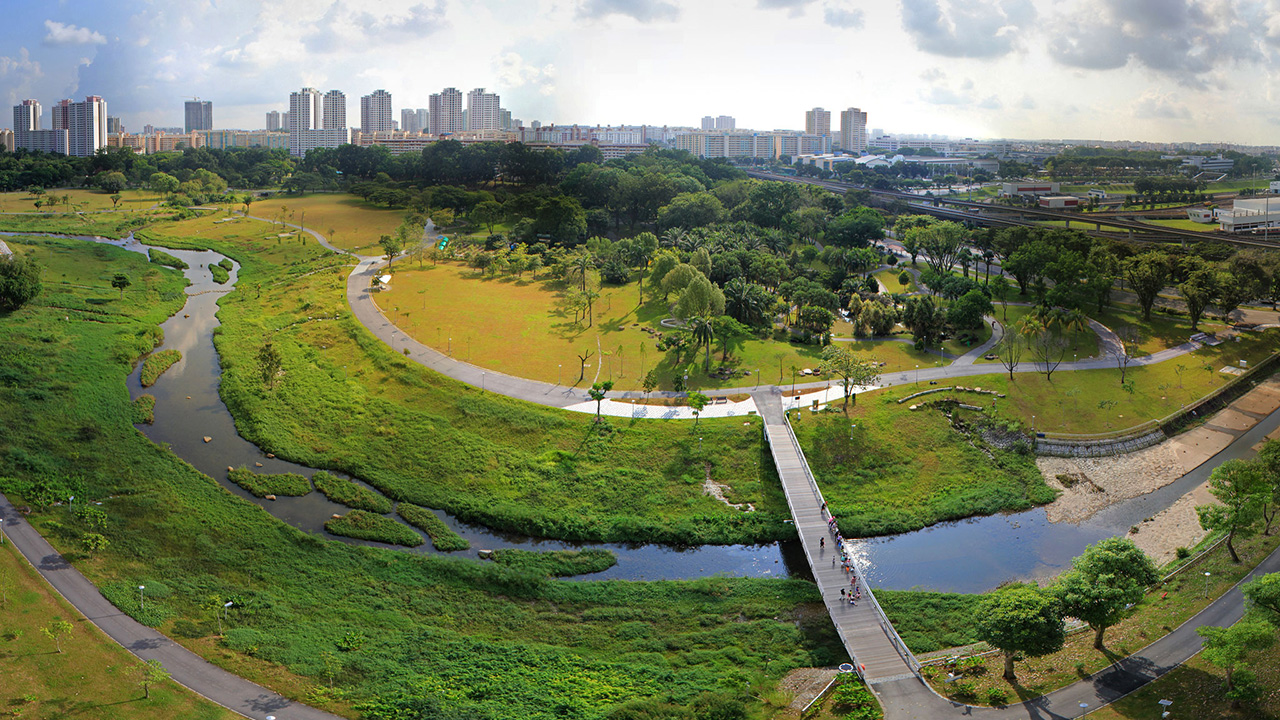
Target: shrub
155, 365
144, 410
442, 538
161, 257
349, 493
260, 485
557, 563
1182, 552
220, 274
364, 525
997, 696
226, 264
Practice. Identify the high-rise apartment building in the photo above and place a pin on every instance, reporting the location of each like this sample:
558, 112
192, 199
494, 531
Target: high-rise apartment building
305, 110
316, 121
28, 135
273, 120
708, 122
113, 125
853, 130
424, 120
87, 126
409, 120
284, 120
504, 119
484, 111
334, 111
60, 115
446, 112
817, 122
375, 112
726, 122
199, 115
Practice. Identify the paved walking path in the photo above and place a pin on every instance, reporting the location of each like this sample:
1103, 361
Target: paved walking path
184, 666
911, 699
868, 639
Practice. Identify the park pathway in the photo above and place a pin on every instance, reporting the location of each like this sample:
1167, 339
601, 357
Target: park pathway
869, 638
185, 667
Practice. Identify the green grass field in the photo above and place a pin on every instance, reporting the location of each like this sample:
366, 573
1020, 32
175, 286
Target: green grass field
81, 200
479, 319
345, 220
91, 677
389, 627
1185, 224
889, 282
903, 470
349, 403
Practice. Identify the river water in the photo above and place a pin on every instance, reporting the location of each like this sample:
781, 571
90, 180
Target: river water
973, 555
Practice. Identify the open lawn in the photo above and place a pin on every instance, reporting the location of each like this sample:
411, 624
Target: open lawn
1185, 224
112, 225
889, 282
516, 326
347, 221
81, 200
384, 626
91, 677
1092, 401
1161, 332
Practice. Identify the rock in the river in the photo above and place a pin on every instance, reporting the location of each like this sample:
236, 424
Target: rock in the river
257, 464
271, 497
486, 554
208, 439
271, 455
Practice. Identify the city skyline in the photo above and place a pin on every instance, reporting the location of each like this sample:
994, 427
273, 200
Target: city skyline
1185, 70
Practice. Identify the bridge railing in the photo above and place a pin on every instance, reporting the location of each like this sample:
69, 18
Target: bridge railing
885, 624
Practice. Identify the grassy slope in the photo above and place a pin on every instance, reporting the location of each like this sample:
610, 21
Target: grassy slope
347, 402
904, 470
433, 627
1161, 610
92, 677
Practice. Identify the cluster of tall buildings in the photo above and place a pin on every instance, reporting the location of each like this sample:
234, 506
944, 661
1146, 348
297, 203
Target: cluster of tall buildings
75, 128
199, 115
853, 127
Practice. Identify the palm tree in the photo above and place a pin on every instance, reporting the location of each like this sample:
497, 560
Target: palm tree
578, 268
703, 334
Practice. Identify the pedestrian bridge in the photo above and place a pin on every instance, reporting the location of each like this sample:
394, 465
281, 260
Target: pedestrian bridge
877, 651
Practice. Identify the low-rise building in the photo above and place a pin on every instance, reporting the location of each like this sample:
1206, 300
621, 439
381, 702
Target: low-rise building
1023, 189
1059, 202
1249, 215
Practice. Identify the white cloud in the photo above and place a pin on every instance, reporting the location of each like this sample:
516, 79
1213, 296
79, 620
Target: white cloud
645, 11
969, 28
513, 72
61, 34
848, 18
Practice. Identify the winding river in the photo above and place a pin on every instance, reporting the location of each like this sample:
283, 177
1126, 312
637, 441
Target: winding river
973, 555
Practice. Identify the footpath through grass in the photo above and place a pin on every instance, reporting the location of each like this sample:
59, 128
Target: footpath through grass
393, 631
346, 402
345, 220
91, 677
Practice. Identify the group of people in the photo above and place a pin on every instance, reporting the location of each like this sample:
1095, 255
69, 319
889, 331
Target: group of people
854, 593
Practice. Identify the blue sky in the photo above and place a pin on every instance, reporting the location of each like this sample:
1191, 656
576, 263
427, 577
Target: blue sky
1103, 69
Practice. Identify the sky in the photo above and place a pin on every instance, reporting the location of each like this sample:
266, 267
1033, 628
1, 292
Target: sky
1156, 70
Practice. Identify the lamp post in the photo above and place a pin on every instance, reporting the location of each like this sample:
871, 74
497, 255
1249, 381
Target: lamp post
699, 444
141, 599
1033, 426
917, 376
450, 350
851, 427
1084, 709
559, 373
1206, 585
482, 377
222, 613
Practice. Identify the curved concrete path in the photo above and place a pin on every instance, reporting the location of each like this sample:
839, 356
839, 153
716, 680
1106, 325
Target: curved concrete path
185, 667
902, 698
